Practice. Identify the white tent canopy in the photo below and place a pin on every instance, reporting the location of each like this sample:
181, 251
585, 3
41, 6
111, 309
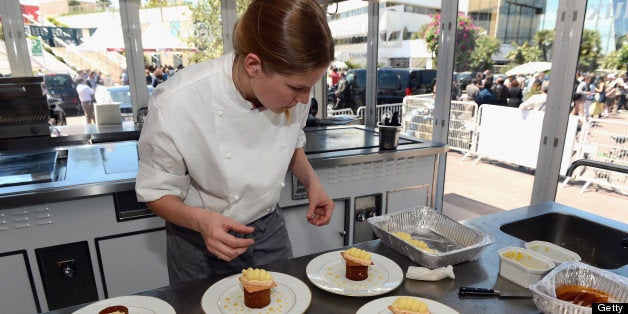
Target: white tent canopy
530, 68
108, 37
158, 37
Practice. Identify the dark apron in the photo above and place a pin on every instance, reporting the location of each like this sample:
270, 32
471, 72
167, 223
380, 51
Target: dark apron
189, 259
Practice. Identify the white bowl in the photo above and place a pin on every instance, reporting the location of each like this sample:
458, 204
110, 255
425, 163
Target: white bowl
557, 253
525, 268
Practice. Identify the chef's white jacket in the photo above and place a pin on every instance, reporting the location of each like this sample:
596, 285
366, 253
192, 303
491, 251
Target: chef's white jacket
203, 143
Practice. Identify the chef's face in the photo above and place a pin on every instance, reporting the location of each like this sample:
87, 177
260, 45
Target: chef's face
279, 93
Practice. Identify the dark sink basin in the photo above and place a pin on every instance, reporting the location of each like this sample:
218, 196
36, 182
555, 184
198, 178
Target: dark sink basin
598, 245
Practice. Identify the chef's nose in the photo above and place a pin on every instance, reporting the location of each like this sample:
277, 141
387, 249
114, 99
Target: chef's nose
304, 96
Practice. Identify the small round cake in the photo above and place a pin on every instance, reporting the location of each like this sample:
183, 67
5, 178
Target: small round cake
408, 305
256, 284
116, 309
357, 264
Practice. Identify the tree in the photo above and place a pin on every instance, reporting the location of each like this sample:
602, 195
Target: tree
590, 47
482, 56
524, 53
544, 41
103, 4
207, 36
466, 36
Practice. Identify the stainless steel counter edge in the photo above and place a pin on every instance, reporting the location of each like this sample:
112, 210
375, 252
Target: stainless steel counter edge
86, 175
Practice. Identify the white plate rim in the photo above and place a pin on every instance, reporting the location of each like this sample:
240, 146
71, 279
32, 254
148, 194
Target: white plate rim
157, 305
378, 305
302, 292
395, 275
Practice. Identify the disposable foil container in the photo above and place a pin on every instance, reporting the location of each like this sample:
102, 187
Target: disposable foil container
576, 273
456, 243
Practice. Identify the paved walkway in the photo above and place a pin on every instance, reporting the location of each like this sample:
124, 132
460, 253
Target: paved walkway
475, 189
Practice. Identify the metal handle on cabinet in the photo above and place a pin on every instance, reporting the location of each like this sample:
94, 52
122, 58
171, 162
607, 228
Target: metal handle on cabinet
342, 233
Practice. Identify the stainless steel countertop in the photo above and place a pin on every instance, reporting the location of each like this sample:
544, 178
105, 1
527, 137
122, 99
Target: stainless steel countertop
87, 173
483, 272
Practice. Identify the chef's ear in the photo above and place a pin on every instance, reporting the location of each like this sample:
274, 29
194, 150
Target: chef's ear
252, 64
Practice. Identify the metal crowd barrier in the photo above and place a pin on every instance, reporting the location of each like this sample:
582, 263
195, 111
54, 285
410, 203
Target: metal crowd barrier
463, 122
385, 110
604, 141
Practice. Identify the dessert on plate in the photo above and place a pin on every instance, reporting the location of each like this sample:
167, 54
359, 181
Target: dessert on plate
408, 305
357, 263
116, 309
256, 284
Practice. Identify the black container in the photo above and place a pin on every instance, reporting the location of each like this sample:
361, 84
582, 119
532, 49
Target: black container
388, 137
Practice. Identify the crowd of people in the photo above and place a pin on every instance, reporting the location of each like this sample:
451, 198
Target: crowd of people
157, 75
511, 91
599, 96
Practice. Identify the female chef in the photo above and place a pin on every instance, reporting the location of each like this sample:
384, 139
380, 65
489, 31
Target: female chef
221, 135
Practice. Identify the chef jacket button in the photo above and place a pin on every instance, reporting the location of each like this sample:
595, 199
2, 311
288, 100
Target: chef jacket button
284, 146
228, 155
283, 184
220, 113
236, 197
269, 210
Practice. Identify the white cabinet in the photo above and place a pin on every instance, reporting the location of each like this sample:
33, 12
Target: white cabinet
17, 286
133, 262
307, 238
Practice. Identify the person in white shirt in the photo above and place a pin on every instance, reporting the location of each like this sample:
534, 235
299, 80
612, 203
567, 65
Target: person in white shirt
538, 101
86, 96
220, 136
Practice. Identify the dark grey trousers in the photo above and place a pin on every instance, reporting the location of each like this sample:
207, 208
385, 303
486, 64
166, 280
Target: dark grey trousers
189, 259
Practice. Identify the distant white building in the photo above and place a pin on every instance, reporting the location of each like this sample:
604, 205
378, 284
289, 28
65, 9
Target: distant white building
348, 22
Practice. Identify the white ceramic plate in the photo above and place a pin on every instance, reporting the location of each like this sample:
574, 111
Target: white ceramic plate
327, 271
226, 296
137, 304
380, 306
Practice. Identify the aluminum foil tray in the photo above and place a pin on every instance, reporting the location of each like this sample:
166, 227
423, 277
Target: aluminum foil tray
456, 243
576, 273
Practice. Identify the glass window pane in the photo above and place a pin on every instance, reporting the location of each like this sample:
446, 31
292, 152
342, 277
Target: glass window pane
599, 121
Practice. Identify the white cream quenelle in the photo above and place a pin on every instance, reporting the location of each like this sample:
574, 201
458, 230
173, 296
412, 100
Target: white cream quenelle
426, 274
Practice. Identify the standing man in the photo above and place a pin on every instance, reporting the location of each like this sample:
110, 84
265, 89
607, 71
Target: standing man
86, 95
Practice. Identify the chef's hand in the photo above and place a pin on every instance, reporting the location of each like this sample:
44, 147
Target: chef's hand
214, 228
321, 206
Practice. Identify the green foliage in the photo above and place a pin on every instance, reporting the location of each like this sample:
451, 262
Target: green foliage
466, 36
1, 33
623, 58
590, 47
353, 65
524, 53
207, 37
74, 3
544, 40
481, 58
103, 4
56, 22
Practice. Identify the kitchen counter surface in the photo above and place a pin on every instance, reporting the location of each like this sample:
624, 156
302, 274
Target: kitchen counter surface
107, 167
186, 297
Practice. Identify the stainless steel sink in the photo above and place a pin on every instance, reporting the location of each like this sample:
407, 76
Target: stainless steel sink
598, 245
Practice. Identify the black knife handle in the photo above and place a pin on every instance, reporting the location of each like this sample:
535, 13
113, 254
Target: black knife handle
476, 292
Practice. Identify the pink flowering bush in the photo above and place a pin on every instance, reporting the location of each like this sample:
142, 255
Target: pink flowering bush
466, 34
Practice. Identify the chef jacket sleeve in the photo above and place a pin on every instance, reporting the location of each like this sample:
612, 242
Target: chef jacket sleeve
162, 170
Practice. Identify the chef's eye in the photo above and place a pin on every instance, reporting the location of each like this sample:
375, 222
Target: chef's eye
297, 88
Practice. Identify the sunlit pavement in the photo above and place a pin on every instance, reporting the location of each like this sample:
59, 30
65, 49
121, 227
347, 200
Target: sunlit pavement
474, 189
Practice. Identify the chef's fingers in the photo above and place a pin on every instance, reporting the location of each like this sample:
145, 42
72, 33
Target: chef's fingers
322, 214
227, 247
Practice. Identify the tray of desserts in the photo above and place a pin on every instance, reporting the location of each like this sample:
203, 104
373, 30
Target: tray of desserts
429, 238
